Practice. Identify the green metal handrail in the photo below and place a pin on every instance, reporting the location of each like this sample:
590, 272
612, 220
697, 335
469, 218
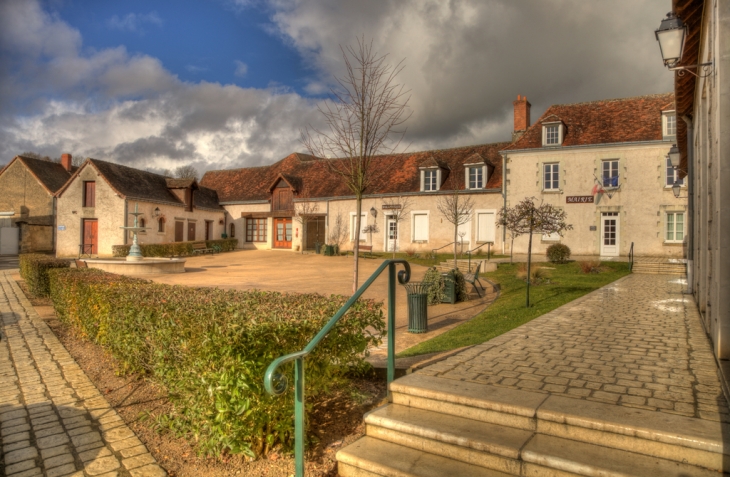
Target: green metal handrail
276, 383
489, 252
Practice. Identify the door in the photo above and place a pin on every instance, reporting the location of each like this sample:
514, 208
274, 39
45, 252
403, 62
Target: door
315, 232
282, 233
91, 238
391, 237
179, 231
208, 230
9, 240
191, 231
609, 234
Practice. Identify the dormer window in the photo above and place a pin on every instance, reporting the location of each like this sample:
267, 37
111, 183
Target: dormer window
476, 176
669, 125
430, 179
552, 134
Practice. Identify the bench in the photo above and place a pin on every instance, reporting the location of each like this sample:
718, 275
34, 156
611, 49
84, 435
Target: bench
81, 264
199, 248
366, 249
473, 278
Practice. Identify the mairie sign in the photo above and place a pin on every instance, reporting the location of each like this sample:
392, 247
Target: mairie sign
579, 199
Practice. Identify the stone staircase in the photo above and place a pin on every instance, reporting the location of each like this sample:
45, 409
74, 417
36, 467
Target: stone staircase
660, 267
440, 427
463, 265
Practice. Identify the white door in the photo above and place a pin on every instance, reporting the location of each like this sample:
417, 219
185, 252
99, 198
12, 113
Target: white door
9, 240
391, 236
609, 234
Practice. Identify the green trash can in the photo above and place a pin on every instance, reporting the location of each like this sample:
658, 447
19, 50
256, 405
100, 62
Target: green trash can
449, 288
417, 306
329, 250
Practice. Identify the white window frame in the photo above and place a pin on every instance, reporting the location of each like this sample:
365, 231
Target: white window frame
561, 130
467, 176
551, 188
618, 173
477, 238
674, 213
674, 177
665, 124
414, 213
363, 224
438, 179
553, 237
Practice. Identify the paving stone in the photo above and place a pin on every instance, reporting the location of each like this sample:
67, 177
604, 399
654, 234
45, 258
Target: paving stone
19, 467
84, 439
148, 471
60, 471
94, 453
133, 451
15, 446
58, 460
20, 455
54, 451
101, 465
138, 461
51, 441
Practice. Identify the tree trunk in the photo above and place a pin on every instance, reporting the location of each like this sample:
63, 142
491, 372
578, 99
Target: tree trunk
529, 259
356, 243
512, 248
456, 231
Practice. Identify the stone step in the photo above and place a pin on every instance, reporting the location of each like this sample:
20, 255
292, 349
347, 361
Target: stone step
369, 457
677, 438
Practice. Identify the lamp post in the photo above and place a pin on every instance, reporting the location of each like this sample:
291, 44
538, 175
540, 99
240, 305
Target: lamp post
671, 35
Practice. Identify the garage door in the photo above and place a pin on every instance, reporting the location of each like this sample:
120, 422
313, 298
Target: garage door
9, 240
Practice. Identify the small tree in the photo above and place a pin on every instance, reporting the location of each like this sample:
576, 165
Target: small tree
456, 209
362, 119
304, 211
528, 218
337, 231
510, 220
186, 172
398, 209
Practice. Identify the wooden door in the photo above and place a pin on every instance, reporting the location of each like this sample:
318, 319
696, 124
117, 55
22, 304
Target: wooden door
191, 231
282, 233
282, 199
91, 237
315, 232
179, 231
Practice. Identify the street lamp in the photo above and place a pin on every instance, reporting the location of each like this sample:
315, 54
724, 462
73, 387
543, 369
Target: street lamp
671, 35
156, 212
373, 212
676, 188
674, 156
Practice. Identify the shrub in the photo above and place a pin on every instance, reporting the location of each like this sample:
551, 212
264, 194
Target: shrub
590, 266
34, 270
210, 348
461, 293
170, 249
410, 252
538, 274
436, 290
558, 253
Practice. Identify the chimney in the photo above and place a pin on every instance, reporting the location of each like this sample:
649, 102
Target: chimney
522, 117
66, 161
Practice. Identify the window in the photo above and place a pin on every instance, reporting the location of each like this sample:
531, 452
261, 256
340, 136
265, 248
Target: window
552, 134
255, 230
476, 177
363, 224
551, 177
420, 227
161, 225
430, 180
669, 123
89, 194
675, 227
553, 237
672, 175
142, 223
233, 230
609, 173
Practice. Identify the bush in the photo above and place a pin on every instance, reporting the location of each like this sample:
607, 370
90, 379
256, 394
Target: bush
538, 275
210, 348
558, 253
34, 270
170, 249
410, 252
590, 267
436, 290
461, 293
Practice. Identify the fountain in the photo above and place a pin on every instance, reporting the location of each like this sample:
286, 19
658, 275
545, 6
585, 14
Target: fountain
135, 263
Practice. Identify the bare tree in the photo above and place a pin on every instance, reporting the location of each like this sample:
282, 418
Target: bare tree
510, 220
397, 209
337, 231
35, 155
363, 120
456, 209
528, 218
186, 172
304, 211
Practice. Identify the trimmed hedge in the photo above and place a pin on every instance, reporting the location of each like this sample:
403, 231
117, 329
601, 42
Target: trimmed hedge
436, 291
210, 348
170, 249
558, 253
34, 270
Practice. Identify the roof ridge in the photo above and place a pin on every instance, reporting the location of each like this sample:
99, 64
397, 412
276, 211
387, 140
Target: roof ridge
630, 98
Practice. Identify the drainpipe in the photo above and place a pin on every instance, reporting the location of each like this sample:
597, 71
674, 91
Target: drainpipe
504, 196
690, 202
124, 223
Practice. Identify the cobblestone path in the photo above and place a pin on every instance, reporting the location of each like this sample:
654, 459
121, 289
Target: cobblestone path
637, 342
53, 421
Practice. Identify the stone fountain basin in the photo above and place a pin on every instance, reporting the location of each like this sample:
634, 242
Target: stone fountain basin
146, 266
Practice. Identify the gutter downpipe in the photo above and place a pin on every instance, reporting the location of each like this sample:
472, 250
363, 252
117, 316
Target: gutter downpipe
504, 196
690, 203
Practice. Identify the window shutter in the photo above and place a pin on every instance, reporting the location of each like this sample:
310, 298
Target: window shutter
420, 227
485, 227
423, 175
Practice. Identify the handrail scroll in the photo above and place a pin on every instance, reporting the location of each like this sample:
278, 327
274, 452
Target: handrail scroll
276, 383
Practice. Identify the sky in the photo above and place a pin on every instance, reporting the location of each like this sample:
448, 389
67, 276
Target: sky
221, 84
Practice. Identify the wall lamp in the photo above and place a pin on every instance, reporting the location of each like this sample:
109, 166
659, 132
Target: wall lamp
156, 212
671, 35
374, 212
674, 157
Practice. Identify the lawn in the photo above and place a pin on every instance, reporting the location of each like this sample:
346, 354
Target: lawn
566, 283
425, 259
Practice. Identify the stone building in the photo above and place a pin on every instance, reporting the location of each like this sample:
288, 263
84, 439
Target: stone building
98, 198
605, 164
28, 204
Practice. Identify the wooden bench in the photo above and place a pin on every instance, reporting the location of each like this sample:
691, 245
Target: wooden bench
199, 248
81, 264
473, 278
366, 249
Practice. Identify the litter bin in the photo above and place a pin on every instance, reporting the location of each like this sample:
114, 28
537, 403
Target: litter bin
449, 295
329, 250
317, 247
417, 306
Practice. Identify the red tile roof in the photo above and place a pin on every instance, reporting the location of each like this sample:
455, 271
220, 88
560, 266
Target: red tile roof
317, 180
603, 122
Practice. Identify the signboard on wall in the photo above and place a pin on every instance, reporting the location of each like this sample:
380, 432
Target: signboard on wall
62, 227
579, 199
391, 206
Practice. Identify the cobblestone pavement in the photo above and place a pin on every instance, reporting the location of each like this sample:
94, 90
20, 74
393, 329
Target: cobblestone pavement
637, 342
53, 421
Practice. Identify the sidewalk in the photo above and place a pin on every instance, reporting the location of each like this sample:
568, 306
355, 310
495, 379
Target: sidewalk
53, 421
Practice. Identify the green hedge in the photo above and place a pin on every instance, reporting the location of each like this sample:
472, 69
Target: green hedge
210, 348
170, 249
34, 270
436, 292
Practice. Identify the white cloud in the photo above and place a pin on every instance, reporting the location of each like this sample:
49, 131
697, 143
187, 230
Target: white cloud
196, 69
133, 22
241, 68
